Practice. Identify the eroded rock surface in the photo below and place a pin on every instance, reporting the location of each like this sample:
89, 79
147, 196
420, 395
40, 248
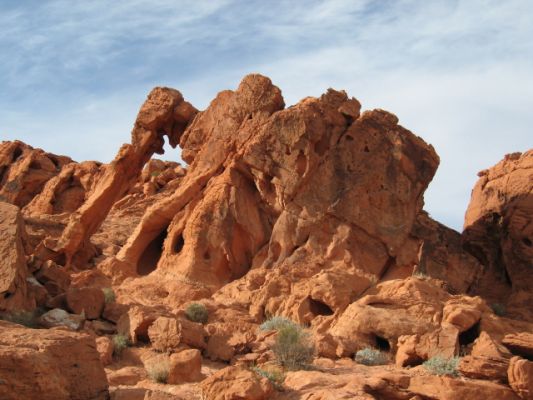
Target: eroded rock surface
312, 212
498, 226
15, 291
49, 365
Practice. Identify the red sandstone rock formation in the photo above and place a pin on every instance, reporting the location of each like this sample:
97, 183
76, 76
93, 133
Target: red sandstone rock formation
49, 365
24, 171
498, 226
312, 212
164, 113
15, 290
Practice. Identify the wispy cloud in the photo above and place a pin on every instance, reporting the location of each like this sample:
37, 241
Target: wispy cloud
457, 73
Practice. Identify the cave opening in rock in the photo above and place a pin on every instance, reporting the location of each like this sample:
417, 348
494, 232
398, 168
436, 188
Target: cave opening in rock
179, 242
16, 154
467, 337
319, 308
527, 241
382, 343
151, 254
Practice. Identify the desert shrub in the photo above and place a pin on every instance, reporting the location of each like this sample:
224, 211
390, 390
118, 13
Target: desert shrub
369, 356
293, 347
276, 323
158, 369
29, 319
420, 274
197, 312
499, 309
109, 295
275, 376
442, 366
120, 342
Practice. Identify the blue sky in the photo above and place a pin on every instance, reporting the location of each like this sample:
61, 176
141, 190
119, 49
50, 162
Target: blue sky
457, 73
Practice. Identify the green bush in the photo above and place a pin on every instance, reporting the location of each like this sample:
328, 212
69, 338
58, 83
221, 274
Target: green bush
442, 366
275, 377
197, 312
158, 369
120, 342
109, 295
276, 323
293, 347
371, 357
499, 309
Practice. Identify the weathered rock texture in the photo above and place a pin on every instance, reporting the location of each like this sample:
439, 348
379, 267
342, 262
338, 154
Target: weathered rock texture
317, 189
312, 212
24, 171
164, 113
498, 226
15, 293
49, 365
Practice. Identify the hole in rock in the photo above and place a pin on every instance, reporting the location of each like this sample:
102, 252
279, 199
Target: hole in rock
366, 150
16, 154
35, 165
301, 163
55, 161
207, 256
527, 241
141, 333
414, 361
7, 295
61, 259
151, 254
382, 343
178, 243
319, 308
467, 337
322, 145
349, 138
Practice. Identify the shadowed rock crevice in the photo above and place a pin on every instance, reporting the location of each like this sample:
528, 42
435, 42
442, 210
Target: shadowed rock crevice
151, 254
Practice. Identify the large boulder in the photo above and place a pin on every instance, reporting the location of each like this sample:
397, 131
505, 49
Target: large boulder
49, 365
520, 376
167, 334
498, 227
15, 293
185, 366
235, 383
88, 300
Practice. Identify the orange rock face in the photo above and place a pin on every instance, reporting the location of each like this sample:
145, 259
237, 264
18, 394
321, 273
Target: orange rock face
235, 383
164, 113
49, 364
498, 226
274, 188
24, 171
15, 293
312, 212
185, 366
